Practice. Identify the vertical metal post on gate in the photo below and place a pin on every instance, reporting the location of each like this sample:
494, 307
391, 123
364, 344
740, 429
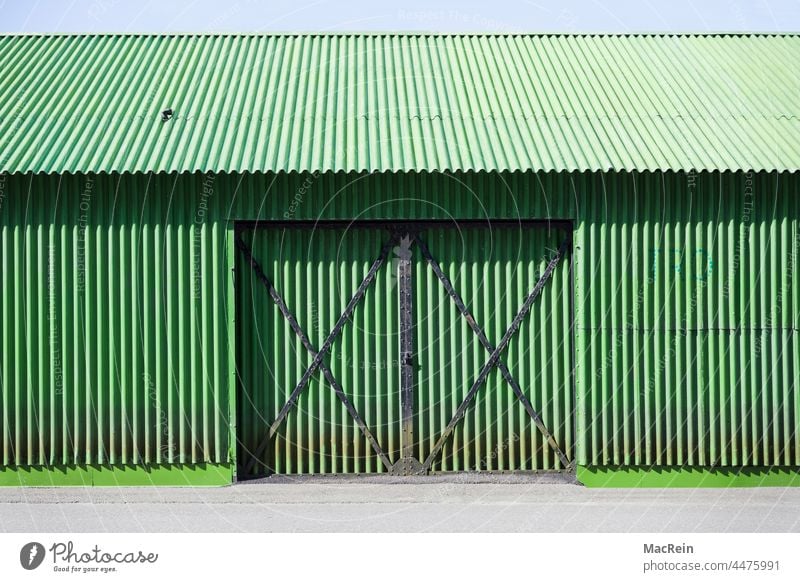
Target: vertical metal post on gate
408, 464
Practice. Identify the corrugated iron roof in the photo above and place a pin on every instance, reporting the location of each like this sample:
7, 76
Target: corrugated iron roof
385, 102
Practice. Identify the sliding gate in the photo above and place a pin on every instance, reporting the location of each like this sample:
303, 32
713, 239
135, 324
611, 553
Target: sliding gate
403, 348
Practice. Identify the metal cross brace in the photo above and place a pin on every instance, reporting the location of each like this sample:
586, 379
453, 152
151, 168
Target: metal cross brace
494, 353
318, 361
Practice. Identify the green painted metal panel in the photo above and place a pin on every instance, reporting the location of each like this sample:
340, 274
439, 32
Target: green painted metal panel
117, 341
163, 475
316, 272
688, 476
687, 319
393, 102
414, 196
687, 306
317, 269
113, 340
493, 268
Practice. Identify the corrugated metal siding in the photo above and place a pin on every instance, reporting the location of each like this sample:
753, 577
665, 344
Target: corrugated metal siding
493, 270
409, 196
688, 317
113, 341
631, 407
95, 369
316, 272
352, 103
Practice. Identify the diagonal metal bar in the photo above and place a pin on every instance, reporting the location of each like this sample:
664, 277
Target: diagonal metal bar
506, 373
287, 314
326, 346
494, 357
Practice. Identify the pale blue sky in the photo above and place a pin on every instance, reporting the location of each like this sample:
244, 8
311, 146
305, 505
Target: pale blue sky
408, 15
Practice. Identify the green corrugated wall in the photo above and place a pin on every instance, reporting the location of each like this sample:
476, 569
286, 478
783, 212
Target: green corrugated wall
116, 310
114, 328
316, 273
493, 271
687, 318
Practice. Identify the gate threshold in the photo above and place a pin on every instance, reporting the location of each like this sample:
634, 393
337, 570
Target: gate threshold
465, 478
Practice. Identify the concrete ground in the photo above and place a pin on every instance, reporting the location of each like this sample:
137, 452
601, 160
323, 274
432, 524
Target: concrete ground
405, 505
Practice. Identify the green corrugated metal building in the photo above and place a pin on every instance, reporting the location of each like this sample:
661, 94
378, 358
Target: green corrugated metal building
230, 256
